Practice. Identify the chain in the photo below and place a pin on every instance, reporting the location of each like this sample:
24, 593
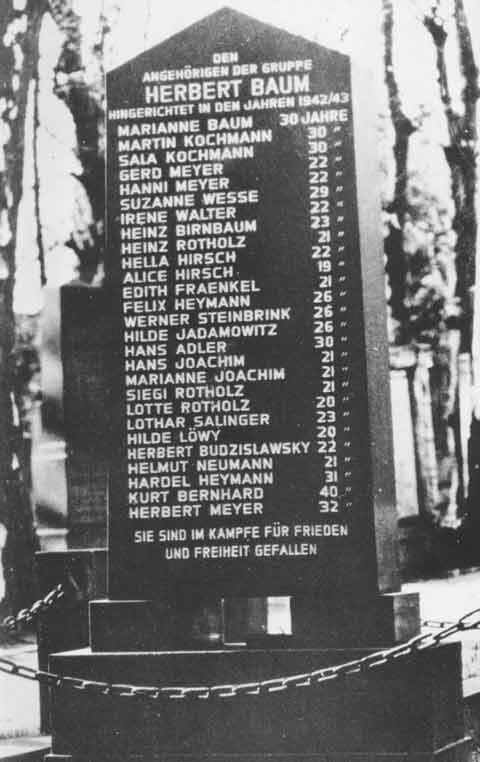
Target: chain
28, 616
436, 624
363, 665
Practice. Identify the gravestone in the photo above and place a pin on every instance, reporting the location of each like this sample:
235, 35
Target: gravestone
251, 452
252, 385
86, 346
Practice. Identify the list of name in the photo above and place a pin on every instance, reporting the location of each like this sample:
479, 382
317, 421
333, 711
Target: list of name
216, 467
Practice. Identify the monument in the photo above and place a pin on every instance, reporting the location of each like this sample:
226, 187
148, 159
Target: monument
251, 452
86, 340
252, 455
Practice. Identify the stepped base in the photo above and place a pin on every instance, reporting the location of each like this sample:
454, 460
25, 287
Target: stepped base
407, 710
117, 625
457, 752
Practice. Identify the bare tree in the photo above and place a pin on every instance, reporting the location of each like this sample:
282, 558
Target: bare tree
408, 265
403, 128
19, 33
460, 154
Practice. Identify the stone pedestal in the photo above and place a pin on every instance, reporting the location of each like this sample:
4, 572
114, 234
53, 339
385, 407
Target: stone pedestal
146, 625
66, 626
127, 626
407, 710
374, 621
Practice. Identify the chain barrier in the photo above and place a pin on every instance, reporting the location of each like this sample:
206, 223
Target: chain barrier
26, 617
363, 665
436, 624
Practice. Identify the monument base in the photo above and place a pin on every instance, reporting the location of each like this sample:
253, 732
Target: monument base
407, 710
66, 626
382, 620
385, 619
154, 625
458, 752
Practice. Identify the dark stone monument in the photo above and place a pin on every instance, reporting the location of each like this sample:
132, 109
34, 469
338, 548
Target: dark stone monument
86, 347
251, 452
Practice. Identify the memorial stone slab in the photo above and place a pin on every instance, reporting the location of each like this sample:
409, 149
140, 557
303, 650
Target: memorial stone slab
86, 349
250, 368
252, 454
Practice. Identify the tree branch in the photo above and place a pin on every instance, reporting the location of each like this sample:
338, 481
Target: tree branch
36, 178
469, 69
403, 126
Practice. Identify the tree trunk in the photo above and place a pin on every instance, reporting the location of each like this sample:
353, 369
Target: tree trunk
447, 429
19, 32
425, 436
460, 155
397, 209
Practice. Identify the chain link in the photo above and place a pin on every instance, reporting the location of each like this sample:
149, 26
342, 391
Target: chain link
436, 624
28, 616
363, 665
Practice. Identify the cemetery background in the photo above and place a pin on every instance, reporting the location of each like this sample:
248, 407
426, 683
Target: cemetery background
58, 237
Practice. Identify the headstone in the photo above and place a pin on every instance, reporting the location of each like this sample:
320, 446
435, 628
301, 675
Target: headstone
251, 376
252, 451
86, 346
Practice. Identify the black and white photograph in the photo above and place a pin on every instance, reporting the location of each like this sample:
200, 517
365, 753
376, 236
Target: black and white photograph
239, 381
